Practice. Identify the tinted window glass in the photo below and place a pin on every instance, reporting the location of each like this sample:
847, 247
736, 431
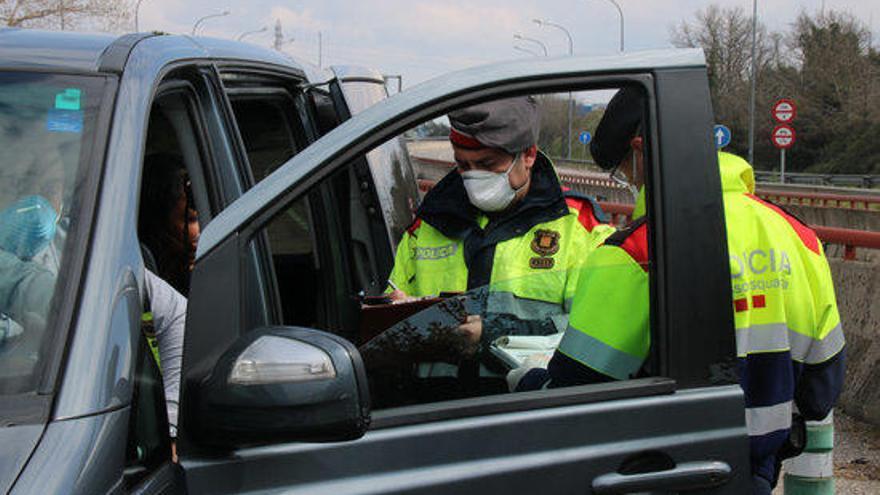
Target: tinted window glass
47, 126
268, 130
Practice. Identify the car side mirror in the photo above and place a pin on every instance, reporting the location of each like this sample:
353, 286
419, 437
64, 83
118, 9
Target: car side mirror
281, 384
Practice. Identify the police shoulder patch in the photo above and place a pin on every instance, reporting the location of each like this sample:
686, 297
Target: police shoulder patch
546, 242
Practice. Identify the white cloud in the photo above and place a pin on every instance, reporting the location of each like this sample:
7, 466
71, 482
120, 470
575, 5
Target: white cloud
298, 20
422, 38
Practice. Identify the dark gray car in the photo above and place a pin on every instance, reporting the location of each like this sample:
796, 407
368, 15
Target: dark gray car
81, 403
276, 397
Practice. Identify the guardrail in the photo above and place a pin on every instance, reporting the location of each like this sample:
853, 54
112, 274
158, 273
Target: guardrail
850, 239
821, 200
867, 181
840, 199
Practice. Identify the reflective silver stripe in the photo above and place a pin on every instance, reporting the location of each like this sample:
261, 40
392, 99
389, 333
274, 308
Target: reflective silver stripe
521, 307
812, 351
762, 338
764, 420
560, 321
598, 355
777, 337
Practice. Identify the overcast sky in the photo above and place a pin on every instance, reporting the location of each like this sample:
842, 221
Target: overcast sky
421, 39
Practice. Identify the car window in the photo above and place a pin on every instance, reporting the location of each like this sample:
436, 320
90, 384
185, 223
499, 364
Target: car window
48, 124
392, 174
269, 130
533, 263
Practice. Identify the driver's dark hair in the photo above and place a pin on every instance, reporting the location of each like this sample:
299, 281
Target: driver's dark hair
165, 181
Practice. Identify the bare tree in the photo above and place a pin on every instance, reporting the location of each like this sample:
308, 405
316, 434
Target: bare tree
107, 15
826, 63
725, 37
836, 86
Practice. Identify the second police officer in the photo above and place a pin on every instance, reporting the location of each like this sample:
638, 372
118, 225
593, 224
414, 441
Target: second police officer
790, 344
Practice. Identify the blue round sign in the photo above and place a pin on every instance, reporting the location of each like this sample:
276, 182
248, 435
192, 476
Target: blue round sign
585, 137
721, 135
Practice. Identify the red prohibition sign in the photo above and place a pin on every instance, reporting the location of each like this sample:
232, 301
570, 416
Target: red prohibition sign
784, 111
783, 136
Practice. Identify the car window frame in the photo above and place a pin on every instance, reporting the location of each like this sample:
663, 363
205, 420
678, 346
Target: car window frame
276, 79
486, 404
370, 132
66, 302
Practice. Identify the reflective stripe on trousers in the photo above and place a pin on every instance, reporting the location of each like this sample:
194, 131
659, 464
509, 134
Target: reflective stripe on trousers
764, 420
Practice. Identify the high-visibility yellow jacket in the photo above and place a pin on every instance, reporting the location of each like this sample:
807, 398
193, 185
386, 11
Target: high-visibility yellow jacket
526, 258
788, 333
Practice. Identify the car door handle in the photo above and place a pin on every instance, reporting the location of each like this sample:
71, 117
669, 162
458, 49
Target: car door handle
685, 476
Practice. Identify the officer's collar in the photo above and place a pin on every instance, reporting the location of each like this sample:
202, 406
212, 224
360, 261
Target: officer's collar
447, 207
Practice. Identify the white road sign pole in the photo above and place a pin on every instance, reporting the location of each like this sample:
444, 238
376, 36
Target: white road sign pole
782, 165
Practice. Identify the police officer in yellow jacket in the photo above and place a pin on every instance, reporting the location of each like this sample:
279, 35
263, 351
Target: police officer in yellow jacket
500, 221
790, 345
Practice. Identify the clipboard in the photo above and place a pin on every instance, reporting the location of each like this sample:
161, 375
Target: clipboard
426, 330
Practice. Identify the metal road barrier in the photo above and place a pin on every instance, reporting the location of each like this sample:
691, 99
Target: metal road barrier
621, 213
867, 181
821, 199
593, 183
849, 238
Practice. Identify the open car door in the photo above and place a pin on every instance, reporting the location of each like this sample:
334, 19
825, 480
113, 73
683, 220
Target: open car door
276, 407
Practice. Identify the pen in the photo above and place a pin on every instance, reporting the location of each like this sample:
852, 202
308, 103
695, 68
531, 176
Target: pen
392, 285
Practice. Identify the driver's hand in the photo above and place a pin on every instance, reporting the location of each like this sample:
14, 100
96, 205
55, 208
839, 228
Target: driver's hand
471, 330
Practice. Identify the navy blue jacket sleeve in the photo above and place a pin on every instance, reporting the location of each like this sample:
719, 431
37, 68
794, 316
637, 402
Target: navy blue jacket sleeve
819, 386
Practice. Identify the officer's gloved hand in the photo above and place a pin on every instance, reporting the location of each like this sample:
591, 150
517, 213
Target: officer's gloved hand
515, 375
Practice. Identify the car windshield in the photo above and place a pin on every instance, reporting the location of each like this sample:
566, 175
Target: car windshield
47, 125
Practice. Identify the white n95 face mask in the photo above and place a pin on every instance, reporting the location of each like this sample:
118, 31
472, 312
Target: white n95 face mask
490, 191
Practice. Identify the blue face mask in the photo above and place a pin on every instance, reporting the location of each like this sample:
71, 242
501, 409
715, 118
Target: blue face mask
27, 226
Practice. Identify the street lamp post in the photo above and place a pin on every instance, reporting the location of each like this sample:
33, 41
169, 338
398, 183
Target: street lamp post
205, 18
248, 33
753, 82
137, 9
620, 12
520, 37
542, 23
320, 50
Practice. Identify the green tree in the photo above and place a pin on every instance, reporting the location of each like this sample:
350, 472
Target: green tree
825, 63
836, 88
725, 35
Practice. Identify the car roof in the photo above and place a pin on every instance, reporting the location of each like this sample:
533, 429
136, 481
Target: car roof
88, 52
30, 48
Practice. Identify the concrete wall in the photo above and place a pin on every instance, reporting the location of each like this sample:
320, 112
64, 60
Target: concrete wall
858, 284
833, 217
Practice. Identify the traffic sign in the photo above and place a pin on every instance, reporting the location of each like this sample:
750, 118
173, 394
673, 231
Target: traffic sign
783, 136
784, 111
722, 135
585, 137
